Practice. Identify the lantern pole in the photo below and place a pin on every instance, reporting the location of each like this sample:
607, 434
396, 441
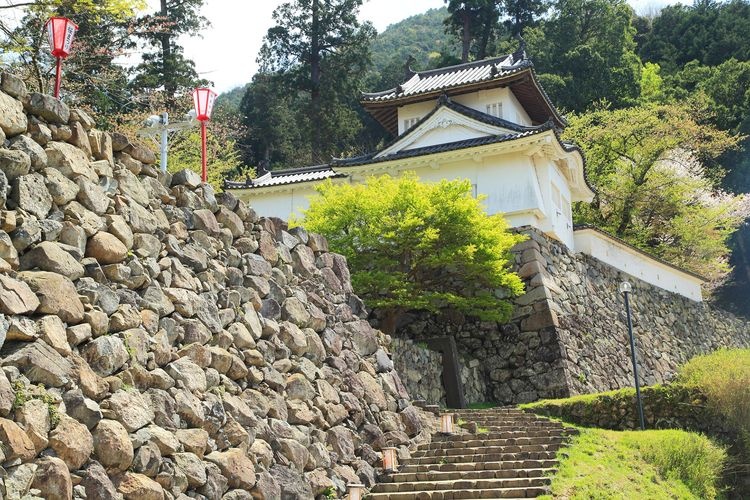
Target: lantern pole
58, 77
204, 174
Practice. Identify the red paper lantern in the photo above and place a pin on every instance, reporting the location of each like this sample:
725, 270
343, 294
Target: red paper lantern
60, 32
203, 101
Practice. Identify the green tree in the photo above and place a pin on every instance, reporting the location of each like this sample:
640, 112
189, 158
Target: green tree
522, 14
475, 22
322, 50
647, 164
413, 245
585, 52
652, 84
165, 67
708, 32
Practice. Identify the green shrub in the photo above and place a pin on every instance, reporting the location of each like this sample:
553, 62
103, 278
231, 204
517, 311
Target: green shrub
685, 456
724, 377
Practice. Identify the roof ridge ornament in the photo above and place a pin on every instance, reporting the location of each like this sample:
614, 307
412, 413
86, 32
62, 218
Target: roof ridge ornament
520, 53
444, 99
408, 71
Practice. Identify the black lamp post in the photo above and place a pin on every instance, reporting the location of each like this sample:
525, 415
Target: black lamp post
625, 289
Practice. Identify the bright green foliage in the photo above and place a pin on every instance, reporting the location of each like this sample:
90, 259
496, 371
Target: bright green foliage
647, 164
587, 47
724, 376
412, 245
223, 160
645, 464
652, 84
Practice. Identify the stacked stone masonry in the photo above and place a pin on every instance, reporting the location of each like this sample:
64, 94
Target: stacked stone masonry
568, 333
159, 341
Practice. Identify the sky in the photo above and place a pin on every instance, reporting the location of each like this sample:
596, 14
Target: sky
226, 52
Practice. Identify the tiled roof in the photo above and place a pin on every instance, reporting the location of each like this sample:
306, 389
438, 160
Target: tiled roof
289, 176
452, 76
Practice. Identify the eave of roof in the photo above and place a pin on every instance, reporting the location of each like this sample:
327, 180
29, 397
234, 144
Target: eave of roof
582, 227
288, 176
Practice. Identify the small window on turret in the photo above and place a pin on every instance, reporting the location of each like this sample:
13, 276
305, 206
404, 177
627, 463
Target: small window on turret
409, 123
495, 109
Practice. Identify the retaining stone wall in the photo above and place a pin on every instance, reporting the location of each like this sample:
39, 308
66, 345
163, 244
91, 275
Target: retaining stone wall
568, 333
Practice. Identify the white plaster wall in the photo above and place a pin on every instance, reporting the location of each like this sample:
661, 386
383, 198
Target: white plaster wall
507, 181
278, 204
512, 109
417, 110
445, 135
560, 222
636, 264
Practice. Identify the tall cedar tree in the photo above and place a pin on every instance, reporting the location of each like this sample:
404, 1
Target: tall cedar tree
321, 49
413, 245
165, 67
523, 13
475, 22
92, 78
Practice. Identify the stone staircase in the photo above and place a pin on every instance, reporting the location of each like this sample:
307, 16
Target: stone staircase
499, 453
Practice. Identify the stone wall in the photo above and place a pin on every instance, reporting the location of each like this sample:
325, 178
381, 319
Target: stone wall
568, 333
421, 372
158, 341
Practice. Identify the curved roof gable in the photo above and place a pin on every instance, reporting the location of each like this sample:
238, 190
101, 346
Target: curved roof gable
514, 71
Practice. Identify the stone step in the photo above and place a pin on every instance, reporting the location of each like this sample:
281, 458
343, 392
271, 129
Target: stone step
462, 484
483, 457
480, 466
486, 450
503, 420
506, 426
459, 475
461, 494
532, 433
479, 442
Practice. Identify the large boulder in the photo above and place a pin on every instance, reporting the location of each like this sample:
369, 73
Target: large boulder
56, 293
72, 442
14, 163
69, 160
13, 121
16, 297
106, 248
49, 256
45, 106
112, 445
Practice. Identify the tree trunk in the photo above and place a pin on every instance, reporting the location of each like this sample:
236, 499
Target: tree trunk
170, 87
390, 320
315, 79
465, 36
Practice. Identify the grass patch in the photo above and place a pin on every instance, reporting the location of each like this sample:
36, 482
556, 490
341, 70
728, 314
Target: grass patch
652, 464
482, 406
724, 377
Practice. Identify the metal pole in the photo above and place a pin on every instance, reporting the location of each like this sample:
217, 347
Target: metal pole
164, 133
635, 363
204, 175
58, 77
